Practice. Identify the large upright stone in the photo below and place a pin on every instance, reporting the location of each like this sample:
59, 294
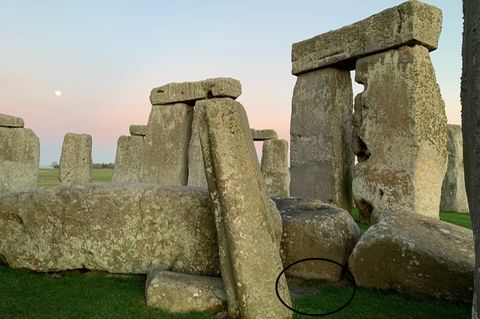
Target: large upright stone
470, 124
10, 121
165, 159
128, 161
275, 169
454, 196
321, 158
192, 91
410, 23
249, 255
19, 159
399, 135
196, 170
76, 159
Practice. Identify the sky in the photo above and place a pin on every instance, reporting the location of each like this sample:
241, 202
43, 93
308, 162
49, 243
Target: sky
105, 57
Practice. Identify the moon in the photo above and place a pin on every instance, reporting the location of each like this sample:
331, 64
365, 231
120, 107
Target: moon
57, 93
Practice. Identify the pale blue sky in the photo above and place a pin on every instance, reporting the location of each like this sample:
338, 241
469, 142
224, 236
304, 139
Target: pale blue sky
105, 56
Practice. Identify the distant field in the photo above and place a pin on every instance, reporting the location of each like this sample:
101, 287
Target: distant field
49, 177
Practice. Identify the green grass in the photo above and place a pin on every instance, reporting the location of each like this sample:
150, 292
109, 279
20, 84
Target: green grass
49, 177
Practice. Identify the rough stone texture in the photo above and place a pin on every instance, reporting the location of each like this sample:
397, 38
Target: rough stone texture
117, 228
76, 159
416, 254
470, 94
165, 159
263, 135
138, 130
454, 196
312, 229
181, 293
412, 22
275, 169
249, 255
196, 170
19, 159
128, 161
10, 121
192, 91
321, 158
400, 137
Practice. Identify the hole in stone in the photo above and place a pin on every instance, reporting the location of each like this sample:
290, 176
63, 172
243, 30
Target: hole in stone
364, 211
361, 149
380, 191
209, 94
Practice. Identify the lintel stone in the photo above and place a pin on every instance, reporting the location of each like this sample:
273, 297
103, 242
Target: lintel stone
138, 130
10, 121
263, 135
409, 23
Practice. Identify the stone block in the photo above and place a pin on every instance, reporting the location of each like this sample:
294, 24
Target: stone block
138, 130
196, 169
274, 166
76, 159
263, 135
10, 121
129, 158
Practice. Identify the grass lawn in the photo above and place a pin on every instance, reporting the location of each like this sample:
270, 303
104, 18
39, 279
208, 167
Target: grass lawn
49, 177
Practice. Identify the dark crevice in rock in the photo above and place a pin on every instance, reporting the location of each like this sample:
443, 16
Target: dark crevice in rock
365, 210
361, 150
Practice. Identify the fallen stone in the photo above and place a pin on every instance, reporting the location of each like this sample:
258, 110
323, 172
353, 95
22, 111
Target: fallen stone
321, 157
401, 150
128, 160
10, 121
410, 23
19, 159
312, 229
76, 159
275, 169
196, 170
418, 255
263, 135
181, 293
244, 226
138, 130
454, 195
193, 91
165, 159
118, 228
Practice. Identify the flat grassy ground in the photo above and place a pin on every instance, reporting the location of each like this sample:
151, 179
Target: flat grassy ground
75, 294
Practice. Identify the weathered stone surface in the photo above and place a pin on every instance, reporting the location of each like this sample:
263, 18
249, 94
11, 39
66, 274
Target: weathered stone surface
399, 137
410, 23
454, 195
275, 169
196, 170
76, 159
117, 228
128, 161
10, 121
321, 158
138, 130
263, 135
470, 94
181, 293
416, 254
249, 255
192, 91
19, 159
312, 229
165, 159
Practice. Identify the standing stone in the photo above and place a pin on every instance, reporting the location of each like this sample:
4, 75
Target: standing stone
165, 159
10, 121
399, 137
275, 168
454, 196
470, 125
196, 170
128, 161
76, 159
321, 158
249, 255
138, 130
19, 159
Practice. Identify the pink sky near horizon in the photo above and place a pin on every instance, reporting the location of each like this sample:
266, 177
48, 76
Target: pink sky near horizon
106, 71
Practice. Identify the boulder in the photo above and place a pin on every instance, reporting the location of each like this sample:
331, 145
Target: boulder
165, 158
76, 159
312, 229
182, 293
138, 130
263, 135
416, 254
412, 22
19, 159
274, 166
128, 161
10, 121
454, 195
400, 137
118, 228
192, 91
